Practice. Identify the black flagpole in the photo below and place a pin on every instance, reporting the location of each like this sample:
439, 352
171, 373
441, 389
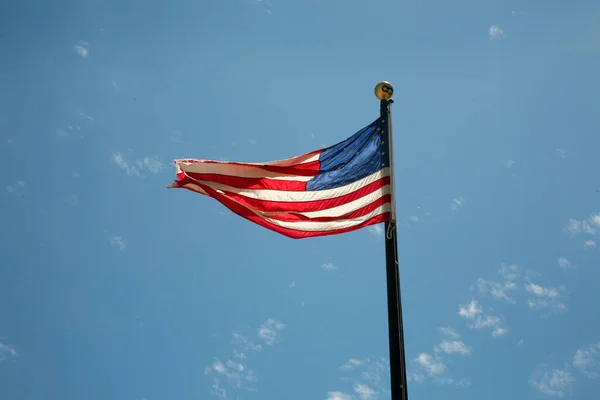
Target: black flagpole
384, 92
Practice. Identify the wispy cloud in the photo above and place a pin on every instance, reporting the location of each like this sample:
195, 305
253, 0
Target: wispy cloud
234, 374
470, 311
587, 360
137, 167
587, 226
364, 392
429, 364
457, 203
244, 343
561, 153
118, 242
453, 347
509, 163
81, 48
473, 313
551, 381
495, 32
564, 263
269, 332
368, 377
338, 396
510, 272
329, 267
7, 352
541, 291
589, 244
497, 290
451, 333
546, 299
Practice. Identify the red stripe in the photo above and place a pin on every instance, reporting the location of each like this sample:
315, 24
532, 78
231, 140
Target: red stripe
300, 206
248, 183
292, 233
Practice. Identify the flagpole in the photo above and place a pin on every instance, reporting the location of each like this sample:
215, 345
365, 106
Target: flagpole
384, 91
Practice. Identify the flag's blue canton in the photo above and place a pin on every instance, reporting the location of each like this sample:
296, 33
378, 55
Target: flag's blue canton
361, 155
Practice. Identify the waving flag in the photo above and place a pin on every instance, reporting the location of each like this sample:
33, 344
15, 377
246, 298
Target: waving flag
324, 192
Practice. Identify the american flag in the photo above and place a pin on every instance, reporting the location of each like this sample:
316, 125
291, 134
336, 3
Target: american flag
329, 191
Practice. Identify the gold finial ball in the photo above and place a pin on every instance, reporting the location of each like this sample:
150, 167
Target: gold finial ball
384, 90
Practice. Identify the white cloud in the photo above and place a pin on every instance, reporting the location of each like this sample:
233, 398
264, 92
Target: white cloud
564, 263
474, 313
244, 343
497, 290
369, 376
495, 32
457, 203
453, 347
414, 218
269, 331
589, 244
430, 364
82, 49
136, 167
509, 163
582, 226
587, 360
338, 396
364, 392
235, 371
552, 382
217, 391
509, 272
470, 311
329, 267
351, 364
541, 291
236, 374
7, 352
118, 241
544, 304
449, 332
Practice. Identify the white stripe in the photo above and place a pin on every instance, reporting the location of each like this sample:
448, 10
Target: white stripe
300, 196
331, 225
241, 171
303, 159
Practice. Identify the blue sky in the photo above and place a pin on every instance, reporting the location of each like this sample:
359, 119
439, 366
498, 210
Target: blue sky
113, 287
